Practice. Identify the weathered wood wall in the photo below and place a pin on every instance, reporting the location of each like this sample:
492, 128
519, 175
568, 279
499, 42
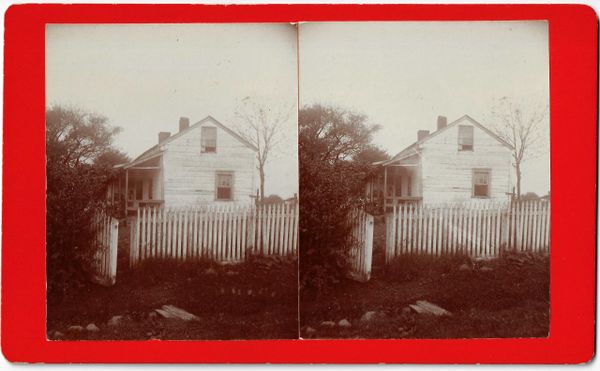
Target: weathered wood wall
190, 176
447, 172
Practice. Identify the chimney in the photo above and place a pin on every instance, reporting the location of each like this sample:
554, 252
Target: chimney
442, 121
163, 135
184, 123
422, 134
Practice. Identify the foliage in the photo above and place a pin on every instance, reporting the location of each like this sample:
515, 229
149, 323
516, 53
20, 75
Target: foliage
522, 125
331, 182
78, 164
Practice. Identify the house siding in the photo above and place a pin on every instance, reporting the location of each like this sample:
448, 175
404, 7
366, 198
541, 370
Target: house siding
190, 176
447, 172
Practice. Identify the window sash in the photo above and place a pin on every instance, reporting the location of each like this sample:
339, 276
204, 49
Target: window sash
481, 183
224, 186
209, 139
465, 137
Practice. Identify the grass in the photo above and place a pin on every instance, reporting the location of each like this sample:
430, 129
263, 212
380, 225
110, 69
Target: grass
507, 298
253, 300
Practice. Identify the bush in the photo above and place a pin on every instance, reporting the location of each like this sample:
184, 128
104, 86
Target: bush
411, 267
78, 166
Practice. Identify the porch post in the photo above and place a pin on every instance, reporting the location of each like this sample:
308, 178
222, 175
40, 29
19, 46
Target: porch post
126, 189
384, 188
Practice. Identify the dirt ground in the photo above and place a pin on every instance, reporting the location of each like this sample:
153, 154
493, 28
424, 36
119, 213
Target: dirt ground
253, 300
505, 297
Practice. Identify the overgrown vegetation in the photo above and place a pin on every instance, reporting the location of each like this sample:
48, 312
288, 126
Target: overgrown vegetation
335, 153
257, 299
79, 160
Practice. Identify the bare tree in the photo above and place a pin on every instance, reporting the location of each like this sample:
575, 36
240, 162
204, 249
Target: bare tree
261, 125
522, 125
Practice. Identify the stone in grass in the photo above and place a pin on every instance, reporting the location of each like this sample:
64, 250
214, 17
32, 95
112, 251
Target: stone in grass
486, 269
406, 310
210, 270
368, 316
425, 307
92, 327
344, 323
328, 324
310, 331
115, 321
58, 334
464, 267
75, 328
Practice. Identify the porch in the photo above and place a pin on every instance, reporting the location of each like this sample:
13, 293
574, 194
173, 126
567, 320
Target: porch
138, 185
394, 184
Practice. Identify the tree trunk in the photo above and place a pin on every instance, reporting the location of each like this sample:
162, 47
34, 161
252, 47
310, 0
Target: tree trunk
261, 173
518, 171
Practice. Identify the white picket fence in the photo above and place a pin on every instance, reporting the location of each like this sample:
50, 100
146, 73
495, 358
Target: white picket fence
219, 233
104, 262
477, 230
361, 252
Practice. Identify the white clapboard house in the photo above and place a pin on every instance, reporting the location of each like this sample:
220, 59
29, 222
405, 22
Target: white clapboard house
461, 161
205, 163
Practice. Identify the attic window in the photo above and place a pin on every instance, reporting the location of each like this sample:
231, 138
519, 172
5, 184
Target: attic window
465, 138
224, 186
209, 139
481, 183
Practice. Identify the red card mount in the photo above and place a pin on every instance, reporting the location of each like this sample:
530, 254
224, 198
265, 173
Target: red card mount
573, 31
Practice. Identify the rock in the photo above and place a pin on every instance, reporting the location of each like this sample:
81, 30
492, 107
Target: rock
210, 271
222, 290
231, 273
171, 311
152, 315
249, 292
486, 269
273, 294
328, 324
58, 334
114, 321
75, 328
310, 331
406, 310
368, 316
92, 327
425, 307
345, 323
464, 267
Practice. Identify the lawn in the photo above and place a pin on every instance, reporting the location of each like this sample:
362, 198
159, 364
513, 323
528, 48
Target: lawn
253, 300
504, 297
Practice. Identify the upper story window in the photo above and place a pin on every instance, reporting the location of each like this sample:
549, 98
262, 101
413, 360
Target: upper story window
481, 183
465, 138
224, 186
209, 139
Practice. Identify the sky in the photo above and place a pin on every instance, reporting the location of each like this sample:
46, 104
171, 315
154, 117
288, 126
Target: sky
402, 75
144, 77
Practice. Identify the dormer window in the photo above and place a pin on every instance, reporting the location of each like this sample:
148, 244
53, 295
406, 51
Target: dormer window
209, 139
465, 138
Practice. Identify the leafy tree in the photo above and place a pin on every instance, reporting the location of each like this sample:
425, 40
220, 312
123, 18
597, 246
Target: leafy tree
331, 143
79, 159
520, 124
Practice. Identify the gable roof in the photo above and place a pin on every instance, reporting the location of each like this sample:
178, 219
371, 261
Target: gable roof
414, 148
157, 150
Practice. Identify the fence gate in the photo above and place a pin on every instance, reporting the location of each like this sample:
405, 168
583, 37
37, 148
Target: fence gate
104, 263
361, 253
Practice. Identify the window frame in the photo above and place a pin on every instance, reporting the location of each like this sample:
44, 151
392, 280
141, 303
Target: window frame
231, 195
460, 145
487, 171
202, 146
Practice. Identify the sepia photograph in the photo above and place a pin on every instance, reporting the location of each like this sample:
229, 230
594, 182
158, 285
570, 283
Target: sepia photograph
171, 181
424, 153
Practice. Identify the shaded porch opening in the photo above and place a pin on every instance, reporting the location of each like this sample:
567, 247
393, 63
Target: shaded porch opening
392, 185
